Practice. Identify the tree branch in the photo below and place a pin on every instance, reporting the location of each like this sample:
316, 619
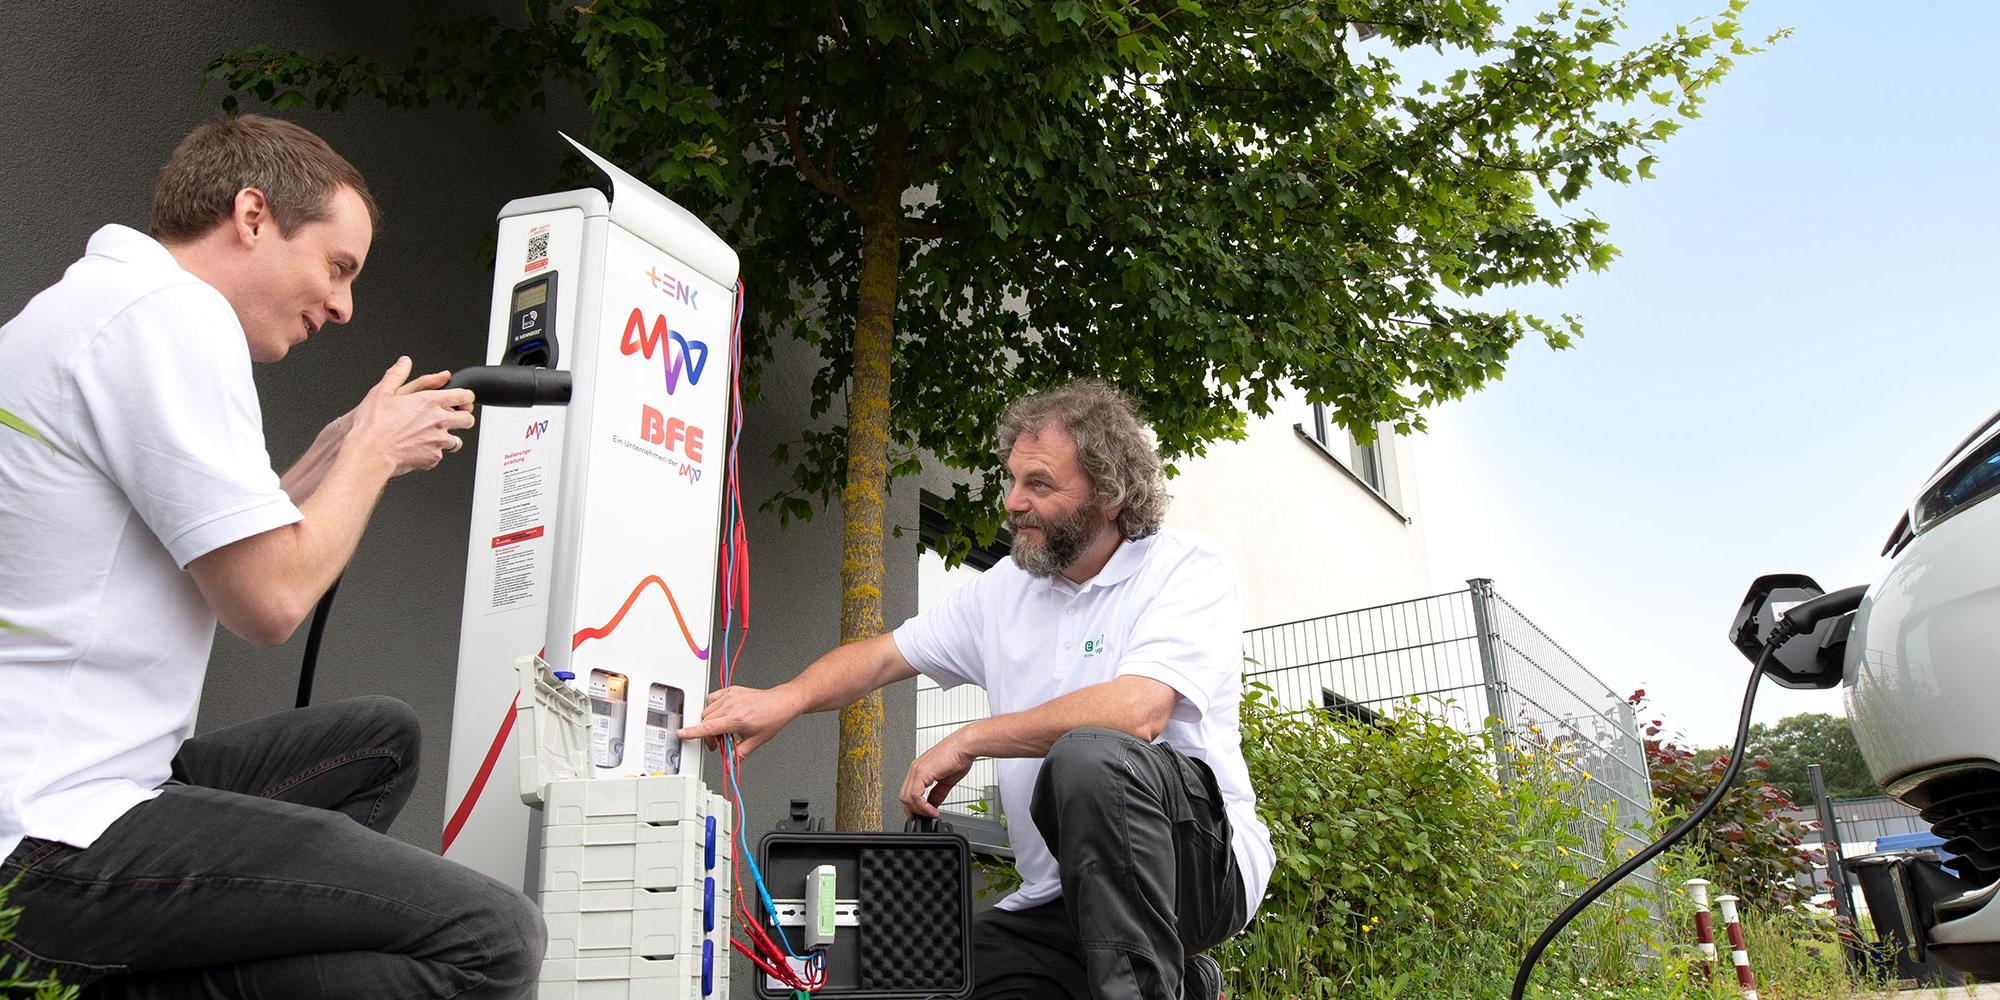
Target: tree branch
820, 179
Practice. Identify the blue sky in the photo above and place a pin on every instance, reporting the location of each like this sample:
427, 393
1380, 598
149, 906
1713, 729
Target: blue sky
1798, 331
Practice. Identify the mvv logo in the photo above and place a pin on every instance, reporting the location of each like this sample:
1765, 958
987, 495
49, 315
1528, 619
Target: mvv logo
679, 354
537, 428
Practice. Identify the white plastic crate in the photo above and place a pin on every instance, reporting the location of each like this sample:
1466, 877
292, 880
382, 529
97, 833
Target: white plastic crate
725, 815
717, 858
622, 856
620, 978
718, 943
627, 866
554, 720
633, 923
666, 798
717, 969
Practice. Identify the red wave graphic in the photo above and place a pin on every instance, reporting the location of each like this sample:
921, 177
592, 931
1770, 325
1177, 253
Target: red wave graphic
585, 635
464, 810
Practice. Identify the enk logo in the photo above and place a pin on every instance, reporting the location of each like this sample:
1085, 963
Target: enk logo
691, 356
537, 428
672, 287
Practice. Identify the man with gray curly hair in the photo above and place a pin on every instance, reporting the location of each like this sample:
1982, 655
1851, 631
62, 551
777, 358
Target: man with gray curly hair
1109, 648
1114, 452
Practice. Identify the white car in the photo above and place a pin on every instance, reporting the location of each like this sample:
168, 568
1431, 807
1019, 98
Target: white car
1921, 671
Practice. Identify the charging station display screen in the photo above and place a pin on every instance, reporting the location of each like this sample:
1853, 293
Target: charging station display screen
531, 339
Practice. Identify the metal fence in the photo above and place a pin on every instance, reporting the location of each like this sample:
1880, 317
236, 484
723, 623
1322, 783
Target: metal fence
1873, 818
939, 712
1474, 659
1858, 824
1468, 656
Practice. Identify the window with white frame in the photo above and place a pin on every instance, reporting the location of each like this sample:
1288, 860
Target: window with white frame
1364, 460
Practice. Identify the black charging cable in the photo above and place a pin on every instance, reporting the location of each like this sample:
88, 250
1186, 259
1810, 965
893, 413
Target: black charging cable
310, 663
1799, 620
491, 385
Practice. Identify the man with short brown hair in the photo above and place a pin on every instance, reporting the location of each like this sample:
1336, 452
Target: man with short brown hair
248, 861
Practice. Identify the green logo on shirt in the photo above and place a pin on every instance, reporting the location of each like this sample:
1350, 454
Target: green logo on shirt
1092, 647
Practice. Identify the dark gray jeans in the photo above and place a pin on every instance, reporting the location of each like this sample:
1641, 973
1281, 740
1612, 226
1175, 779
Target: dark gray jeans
1148, 879
261, 871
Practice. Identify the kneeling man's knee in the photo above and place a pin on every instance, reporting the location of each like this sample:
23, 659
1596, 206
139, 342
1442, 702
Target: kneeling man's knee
515, 936
387, 722
1083, 757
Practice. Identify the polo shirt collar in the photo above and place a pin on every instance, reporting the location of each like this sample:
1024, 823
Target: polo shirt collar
123, 243
1125, 560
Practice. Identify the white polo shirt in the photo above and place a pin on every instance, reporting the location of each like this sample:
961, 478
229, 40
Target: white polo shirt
1163, 607
138, 374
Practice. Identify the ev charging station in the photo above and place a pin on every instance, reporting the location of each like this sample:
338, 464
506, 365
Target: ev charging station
591, 591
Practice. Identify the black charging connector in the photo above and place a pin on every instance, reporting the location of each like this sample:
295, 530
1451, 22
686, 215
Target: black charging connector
1803, 618
513, 385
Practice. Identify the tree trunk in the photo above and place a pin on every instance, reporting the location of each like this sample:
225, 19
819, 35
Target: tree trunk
859, 780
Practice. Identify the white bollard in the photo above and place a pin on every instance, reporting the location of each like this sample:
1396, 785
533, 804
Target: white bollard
1704, 928
1737, 953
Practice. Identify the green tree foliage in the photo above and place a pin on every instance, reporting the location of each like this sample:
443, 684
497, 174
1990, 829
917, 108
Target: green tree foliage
1193, 200
957, 201
1749, 843
1793, 742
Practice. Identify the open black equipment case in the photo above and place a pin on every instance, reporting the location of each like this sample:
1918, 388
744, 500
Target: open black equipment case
902, 911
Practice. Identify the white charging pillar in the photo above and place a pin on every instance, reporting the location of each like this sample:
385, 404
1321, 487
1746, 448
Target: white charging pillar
595, 527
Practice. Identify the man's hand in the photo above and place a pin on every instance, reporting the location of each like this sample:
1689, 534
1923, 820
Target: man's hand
933, 775
751, 715
409, 422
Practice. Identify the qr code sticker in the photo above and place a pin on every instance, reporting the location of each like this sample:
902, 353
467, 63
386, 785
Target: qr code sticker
538, 249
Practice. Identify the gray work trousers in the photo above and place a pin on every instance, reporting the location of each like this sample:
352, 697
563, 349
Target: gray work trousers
1148, 879
261, 871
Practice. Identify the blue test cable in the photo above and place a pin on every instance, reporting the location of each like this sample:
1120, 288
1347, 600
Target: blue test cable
732, 521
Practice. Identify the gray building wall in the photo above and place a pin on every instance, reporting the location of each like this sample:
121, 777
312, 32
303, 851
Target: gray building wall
96, 96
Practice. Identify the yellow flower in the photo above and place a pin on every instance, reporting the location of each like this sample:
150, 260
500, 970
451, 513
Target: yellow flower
1586, 775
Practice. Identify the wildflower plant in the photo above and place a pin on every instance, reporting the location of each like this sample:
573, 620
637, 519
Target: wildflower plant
1408, 864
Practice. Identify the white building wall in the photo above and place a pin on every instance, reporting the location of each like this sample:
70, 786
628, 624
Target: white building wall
1309, 538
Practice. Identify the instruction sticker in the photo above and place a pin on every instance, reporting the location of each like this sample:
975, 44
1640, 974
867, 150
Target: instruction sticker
521, 545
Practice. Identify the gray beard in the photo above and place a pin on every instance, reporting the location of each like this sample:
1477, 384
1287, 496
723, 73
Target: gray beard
1063, 540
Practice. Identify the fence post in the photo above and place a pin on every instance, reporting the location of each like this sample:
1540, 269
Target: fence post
1492, 672
1829, 836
